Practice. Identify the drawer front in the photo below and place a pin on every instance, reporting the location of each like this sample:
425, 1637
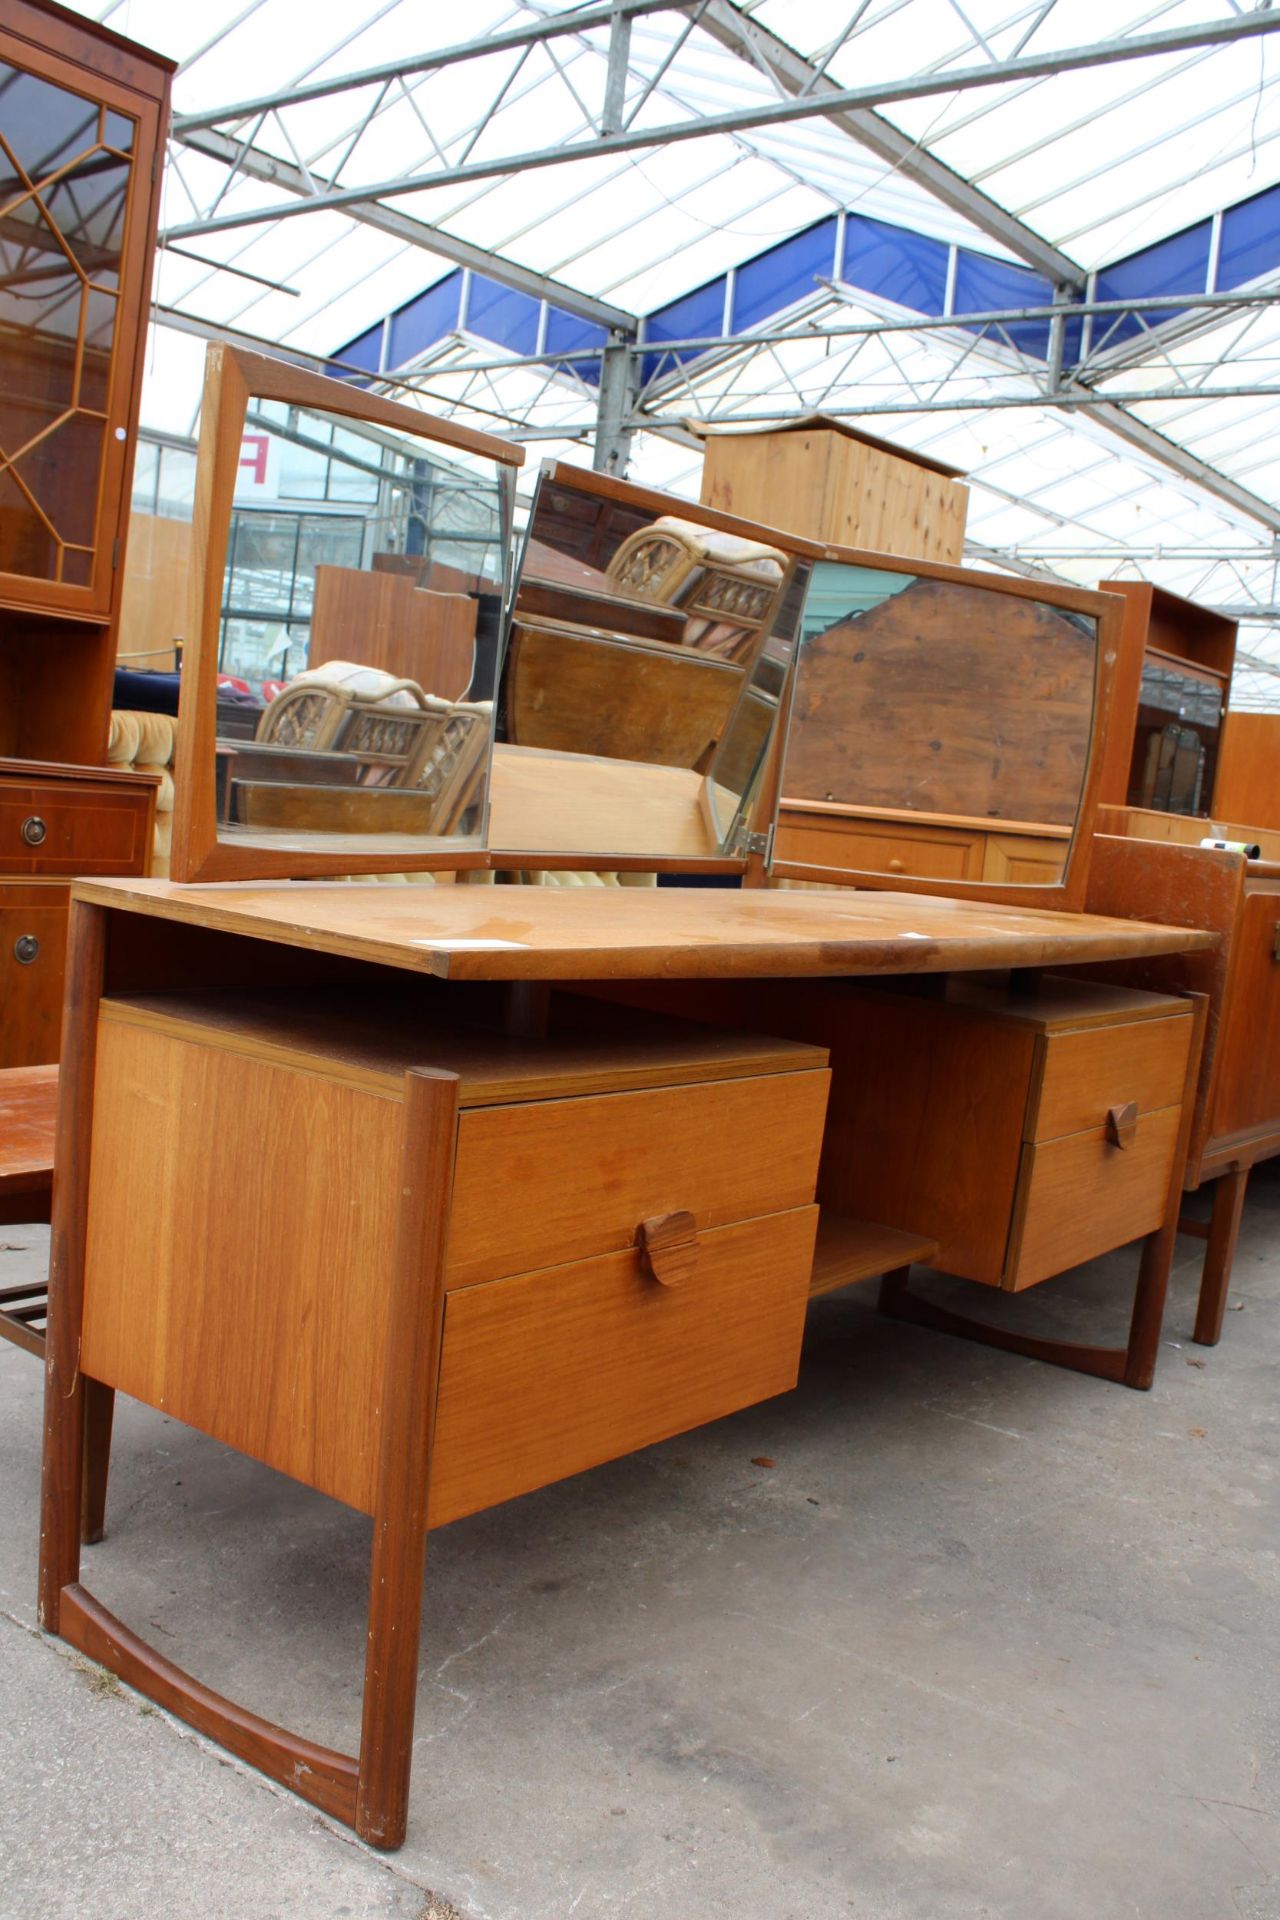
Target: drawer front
937, 855
1080, 1196
550, 1181
33, 949
1087, 1072
546, 1374
1024, 860
61, 829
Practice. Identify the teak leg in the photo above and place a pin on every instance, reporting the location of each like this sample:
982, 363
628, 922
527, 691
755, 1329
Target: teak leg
62, 1494
414, 1337
370, 1793
1219, 1256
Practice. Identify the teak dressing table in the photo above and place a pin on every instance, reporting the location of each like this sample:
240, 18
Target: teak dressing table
287, 1105
336, 1310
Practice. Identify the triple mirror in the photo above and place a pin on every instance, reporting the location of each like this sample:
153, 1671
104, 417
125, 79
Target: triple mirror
660, 687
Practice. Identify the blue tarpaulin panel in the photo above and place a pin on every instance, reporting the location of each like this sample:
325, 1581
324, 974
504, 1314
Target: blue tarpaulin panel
908, 268
500, 314
984, 285
1250, 240
783, 274
364, 351
420, 322
567, 334
694, 316
1179, 264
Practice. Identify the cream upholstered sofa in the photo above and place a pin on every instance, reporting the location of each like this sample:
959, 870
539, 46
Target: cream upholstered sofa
147, 742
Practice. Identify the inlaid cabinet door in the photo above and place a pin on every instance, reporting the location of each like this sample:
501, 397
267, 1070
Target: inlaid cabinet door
76, 217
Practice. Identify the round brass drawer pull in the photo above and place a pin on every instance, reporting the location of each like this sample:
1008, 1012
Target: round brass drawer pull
897, 866
34, 830
26, 948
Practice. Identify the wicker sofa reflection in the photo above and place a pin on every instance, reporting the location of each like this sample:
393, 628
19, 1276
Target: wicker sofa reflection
345, 748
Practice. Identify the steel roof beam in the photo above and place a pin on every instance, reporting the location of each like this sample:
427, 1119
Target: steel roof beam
557, 26
743, 119
796, 75
415, 233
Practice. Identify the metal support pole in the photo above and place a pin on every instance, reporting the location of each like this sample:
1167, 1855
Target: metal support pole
615, 407
615, 85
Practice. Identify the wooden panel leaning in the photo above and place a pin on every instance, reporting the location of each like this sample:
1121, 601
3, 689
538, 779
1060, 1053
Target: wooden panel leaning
363, 1317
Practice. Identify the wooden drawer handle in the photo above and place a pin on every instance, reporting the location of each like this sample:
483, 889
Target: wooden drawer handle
668, 1244
897, 866
1122, 1124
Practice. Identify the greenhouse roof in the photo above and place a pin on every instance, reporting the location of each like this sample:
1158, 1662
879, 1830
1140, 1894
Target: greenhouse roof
1038, 241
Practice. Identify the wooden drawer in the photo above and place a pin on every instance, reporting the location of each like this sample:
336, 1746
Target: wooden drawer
1023, 860
32, 915
270, 1136
550, 1181
1079, 1196
1085, 1073
920, 853
73, 828
546, 1374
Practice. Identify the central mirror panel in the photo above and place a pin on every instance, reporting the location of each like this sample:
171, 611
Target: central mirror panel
357, 648
647, 651
941, 727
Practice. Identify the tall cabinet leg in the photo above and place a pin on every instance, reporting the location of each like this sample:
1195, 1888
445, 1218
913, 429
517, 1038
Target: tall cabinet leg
62, 1488
415, 1329
1219, 1256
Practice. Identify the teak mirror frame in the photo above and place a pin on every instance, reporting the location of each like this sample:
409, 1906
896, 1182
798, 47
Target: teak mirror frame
1069, 893
232, 378
606, 487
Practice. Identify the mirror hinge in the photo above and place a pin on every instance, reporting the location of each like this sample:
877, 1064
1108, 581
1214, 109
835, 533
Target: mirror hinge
757, 843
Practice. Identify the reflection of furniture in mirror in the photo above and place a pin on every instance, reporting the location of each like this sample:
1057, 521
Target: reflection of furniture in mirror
1150, 865
578, 1169
941, 731
153, 609
574, 689
1171, 684
349, 749
834, 483
645, 634
342, 773
1248, 783
383, 620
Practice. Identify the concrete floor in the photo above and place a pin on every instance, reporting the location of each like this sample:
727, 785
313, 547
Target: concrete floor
987, 1641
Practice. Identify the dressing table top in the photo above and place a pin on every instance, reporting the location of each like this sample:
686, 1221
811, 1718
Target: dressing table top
572, 933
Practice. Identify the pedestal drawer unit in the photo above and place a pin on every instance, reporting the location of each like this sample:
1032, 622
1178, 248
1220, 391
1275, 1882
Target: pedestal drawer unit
243, 1201
1026, 1128
56, 822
